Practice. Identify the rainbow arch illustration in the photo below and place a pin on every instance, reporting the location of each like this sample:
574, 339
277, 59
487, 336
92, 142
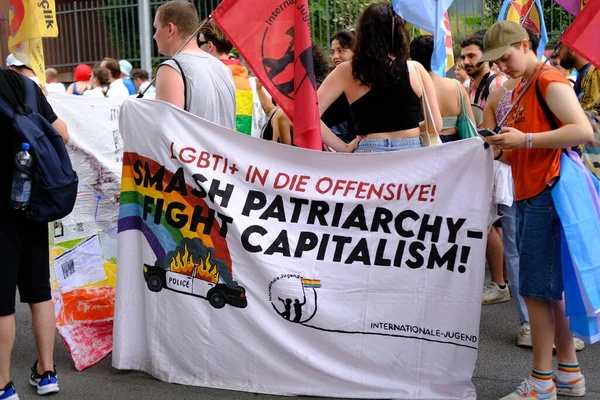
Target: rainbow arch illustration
162, 237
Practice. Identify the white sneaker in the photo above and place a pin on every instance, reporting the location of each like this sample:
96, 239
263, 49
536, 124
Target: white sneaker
524, 338
527, 391
575, 388
492, 294
579, 344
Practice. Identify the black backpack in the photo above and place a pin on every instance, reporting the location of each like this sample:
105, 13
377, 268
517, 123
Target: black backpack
54, 182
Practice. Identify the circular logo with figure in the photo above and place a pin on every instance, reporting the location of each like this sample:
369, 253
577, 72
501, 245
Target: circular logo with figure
280, 62
294, 298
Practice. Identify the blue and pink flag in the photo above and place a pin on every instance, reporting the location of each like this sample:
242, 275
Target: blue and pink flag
428, 15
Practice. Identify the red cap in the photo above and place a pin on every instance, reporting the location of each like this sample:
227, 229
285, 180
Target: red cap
83, 72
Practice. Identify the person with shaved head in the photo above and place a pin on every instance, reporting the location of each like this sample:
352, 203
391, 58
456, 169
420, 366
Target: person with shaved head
52, 83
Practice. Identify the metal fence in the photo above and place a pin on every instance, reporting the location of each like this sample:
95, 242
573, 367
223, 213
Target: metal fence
93, 29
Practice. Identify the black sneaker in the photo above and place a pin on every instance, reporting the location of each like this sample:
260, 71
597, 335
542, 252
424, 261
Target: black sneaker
45, 383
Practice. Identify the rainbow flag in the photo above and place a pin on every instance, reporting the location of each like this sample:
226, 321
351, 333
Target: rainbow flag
311, 283
243, 96
529, 14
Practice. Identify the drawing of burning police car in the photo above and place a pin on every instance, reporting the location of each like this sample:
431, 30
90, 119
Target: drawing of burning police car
193, 269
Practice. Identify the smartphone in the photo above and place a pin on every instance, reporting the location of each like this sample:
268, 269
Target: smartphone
486, 132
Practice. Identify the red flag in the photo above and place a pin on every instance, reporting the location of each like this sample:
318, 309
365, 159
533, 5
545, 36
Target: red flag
274, 39
581, 36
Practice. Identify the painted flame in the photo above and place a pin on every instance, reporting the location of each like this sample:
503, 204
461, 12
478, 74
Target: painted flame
183, 264
207, 270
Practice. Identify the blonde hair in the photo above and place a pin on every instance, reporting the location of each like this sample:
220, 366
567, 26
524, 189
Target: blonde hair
459, 64
180, 13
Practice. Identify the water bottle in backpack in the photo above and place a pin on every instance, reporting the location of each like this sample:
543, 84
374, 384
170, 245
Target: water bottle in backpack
21, 184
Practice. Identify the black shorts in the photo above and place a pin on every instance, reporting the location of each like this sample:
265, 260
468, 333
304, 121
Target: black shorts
25, 260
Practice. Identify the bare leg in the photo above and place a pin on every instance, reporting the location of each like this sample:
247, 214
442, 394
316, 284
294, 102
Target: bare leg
44, 327
7, 339
565, 348
495, 255
541, 319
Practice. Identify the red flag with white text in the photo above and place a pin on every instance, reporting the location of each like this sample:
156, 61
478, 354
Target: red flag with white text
274, 39
581, 36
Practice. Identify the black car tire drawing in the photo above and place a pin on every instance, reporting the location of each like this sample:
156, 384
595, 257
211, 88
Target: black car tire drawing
155, 284
216, 298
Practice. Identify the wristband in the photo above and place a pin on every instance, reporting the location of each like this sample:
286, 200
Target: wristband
528, 143
499, 156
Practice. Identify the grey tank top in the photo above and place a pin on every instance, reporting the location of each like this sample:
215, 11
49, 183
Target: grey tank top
210, 89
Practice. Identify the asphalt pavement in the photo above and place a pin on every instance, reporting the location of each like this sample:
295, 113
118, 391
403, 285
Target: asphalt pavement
501, 366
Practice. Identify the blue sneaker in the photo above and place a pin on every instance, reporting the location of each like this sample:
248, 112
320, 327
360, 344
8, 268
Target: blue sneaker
46, 383
9, 392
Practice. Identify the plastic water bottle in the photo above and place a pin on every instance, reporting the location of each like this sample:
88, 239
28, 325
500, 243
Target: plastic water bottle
21, 184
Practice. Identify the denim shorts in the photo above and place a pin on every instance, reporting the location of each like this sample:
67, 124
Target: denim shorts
538, 242
385, 145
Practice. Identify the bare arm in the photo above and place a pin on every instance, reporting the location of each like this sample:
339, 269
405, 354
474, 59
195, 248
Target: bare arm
265, 102
70, 88
467, 101
169, 86
282, 127
61, 128
434, 121
329, 91
564, 105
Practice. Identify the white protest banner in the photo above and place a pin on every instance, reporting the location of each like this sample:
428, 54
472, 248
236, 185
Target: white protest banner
248, 265
83, 248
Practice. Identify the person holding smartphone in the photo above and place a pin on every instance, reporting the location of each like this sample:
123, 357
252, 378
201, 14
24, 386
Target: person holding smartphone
532, 148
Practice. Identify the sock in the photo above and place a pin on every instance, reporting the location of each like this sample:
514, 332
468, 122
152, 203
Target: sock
502, 286
568, 372
541, 380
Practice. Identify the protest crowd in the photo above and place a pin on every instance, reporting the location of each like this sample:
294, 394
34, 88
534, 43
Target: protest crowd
378, 91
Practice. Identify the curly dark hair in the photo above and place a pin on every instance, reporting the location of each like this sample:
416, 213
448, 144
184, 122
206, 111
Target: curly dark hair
376, 45
345, 37
321, 68
421, 50
476, 39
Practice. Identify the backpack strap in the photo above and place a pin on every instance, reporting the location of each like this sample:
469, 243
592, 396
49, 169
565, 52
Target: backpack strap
483, 89
6, 109
547, 112
31, 95
185, 103
486, 89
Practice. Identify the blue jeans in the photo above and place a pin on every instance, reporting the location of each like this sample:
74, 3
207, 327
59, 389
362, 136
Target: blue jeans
511, 255
538, 241
385, 145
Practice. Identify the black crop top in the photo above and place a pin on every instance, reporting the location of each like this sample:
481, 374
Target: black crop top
388, 110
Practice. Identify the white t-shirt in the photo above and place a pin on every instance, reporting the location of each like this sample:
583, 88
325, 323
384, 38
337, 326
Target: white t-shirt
95, 92
143, 87
118, 90
55, 87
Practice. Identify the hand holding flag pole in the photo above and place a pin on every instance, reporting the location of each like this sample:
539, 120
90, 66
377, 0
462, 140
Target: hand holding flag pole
195, 34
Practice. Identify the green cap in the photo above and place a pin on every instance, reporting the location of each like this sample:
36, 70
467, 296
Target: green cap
499, 37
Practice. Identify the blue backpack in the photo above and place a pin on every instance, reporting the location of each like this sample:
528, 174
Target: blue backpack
54, 183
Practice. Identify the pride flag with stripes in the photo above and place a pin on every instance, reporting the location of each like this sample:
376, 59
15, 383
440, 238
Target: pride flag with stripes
243, 96
311, 283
